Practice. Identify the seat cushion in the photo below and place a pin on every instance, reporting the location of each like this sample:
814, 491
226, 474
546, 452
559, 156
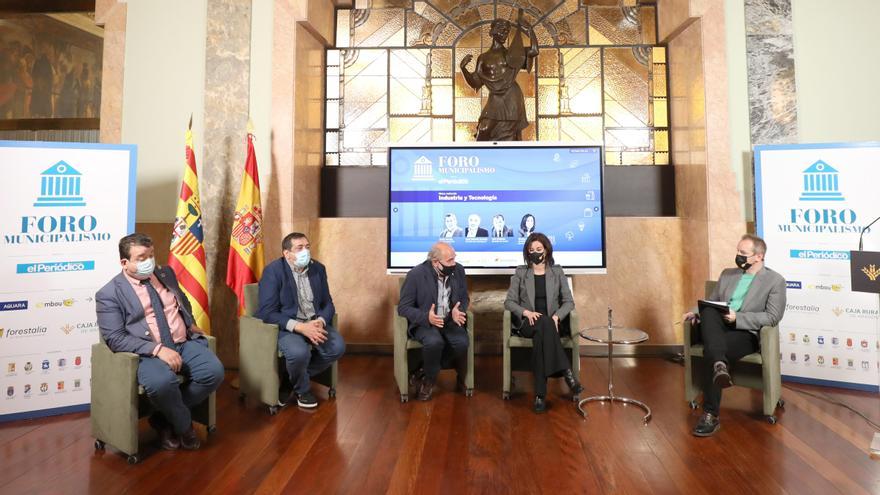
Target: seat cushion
754, 358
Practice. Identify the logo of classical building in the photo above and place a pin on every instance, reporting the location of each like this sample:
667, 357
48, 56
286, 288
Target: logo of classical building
820, 183
60, 186
872, 272
423, 169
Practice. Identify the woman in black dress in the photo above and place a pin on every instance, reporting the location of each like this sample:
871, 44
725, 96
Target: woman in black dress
538, 299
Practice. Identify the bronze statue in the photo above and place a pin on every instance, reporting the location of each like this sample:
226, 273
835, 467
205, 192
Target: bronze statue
504, 116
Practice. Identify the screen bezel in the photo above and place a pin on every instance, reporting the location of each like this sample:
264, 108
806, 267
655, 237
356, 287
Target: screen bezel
571, 270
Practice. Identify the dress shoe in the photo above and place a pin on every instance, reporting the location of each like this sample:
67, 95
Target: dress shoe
572, 383
540, 405
167, 439
189, 440
426, 390
707, 426
721, 377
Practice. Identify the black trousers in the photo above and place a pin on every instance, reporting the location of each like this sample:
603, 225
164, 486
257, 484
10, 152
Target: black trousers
548, 355
721, 342
442, 348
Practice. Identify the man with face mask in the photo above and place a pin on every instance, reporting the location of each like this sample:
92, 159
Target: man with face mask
294, 295
756, 298
143, 310
434, 300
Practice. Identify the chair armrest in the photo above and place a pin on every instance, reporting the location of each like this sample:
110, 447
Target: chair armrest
505, 328
687, 330
212, 343
769, 337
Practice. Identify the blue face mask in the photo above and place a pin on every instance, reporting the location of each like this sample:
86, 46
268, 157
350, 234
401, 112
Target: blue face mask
145, 268
302, 258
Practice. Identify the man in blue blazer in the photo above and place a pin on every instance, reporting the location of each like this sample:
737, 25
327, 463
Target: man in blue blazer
434, 300
755, 296
295, 296
142, 310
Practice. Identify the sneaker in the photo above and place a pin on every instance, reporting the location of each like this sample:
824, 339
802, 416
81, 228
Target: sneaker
721, 377
426, 390
571, 381
707, 426
306, 400
189, 440
540, 405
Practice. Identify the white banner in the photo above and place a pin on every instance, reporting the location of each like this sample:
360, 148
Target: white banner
813, 201
64, 209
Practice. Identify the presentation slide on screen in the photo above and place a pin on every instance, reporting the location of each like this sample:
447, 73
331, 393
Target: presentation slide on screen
485, 201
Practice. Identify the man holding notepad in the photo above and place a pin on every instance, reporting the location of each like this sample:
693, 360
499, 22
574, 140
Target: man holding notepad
745, 299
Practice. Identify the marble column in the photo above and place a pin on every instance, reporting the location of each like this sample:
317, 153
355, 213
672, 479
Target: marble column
111, 15
227, 71
770, 58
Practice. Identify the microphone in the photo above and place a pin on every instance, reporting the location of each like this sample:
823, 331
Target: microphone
862, 234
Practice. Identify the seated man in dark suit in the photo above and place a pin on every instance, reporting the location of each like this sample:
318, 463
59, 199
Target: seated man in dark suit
168, 340
434, 300
294, 295
756, 298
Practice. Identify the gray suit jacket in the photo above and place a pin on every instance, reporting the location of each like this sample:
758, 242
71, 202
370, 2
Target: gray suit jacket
521, 294
121, 317
764, 303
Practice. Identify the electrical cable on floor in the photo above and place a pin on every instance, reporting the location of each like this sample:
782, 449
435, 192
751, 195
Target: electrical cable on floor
835, 402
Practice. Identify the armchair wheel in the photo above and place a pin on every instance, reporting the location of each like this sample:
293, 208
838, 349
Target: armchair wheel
780, 404
331, 393
771, 420
505, 395
693, 404
404, 398
133, 459
99, 445
242, 397
273, 410
575, 398
469, 392
212, 429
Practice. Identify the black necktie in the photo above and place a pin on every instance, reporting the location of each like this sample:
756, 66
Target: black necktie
159, 311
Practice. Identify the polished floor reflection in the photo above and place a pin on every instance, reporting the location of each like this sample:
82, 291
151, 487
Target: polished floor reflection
366, 442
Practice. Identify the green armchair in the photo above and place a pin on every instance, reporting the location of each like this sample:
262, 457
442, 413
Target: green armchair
407, 354
118, 402
516, 352
260, 367
759, 370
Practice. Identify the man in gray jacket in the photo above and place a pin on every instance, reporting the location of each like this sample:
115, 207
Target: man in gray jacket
755, 296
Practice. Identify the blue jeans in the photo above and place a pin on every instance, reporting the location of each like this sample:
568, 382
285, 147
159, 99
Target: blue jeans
165, 392
304, 360
442, 348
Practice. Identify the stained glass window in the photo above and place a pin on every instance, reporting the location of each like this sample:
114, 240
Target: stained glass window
394, 77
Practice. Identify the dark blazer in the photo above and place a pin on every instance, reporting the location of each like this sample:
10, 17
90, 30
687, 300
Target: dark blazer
121, 316
521, 294
419, 292
481, 232
279, 300
764, 303
506, 232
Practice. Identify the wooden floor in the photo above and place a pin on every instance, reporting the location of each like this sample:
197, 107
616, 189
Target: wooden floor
365, 441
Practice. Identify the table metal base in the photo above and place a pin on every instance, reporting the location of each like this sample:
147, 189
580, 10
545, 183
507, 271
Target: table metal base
613, 399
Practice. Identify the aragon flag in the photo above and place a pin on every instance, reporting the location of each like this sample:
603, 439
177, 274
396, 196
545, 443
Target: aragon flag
187, 253
245, 265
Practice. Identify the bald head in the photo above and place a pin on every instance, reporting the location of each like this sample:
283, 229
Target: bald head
441, 251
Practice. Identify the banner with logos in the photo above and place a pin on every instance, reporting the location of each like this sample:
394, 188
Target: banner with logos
64, 210
813, 202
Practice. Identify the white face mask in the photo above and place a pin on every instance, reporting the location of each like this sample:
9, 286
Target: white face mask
145, 268
302, 258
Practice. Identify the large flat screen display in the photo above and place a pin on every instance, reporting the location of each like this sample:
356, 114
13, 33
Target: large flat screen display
485, 199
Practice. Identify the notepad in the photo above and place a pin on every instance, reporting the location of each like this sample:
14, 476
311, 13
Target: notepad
721, 306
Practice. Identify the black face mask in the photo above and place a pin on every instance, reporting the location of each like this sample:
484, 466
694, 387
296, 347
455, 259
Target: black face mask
742, 262
446, 270
536, 257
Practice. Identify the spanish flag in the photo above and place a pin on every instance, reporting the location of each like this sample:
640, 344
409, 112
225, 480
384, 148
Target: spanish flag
245, 265
187, 253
